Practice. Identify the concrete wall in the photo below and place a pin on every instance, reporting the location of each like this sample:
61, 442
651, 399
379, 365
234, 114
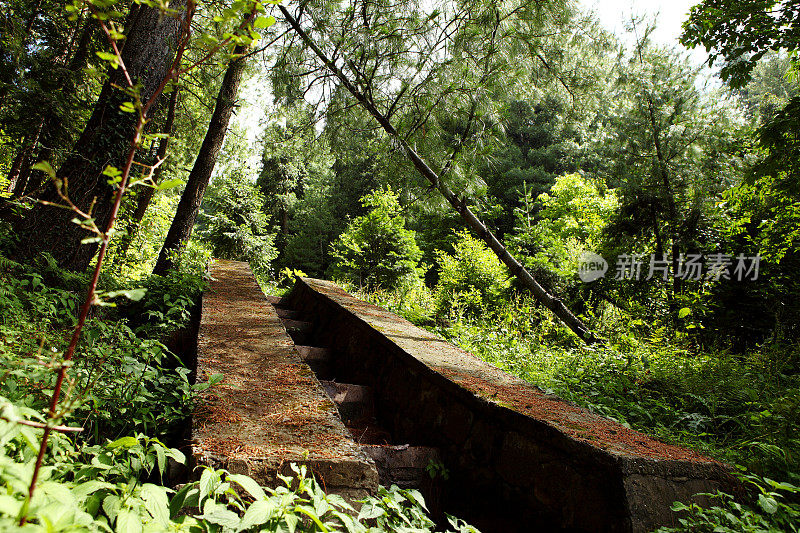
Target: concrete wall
512, 468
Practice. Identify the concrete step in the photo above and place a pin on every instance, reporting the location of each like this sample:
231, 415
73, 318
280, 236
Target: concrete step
299, 330
319, 359
314, 354
353, 401
404, 465
285, 312
270, 410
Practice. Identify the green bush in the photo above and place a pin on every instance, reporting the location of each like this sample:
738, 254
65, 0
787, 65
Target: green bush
232, 222
771, 511
118, 486
121, 380
472, 280
376, 250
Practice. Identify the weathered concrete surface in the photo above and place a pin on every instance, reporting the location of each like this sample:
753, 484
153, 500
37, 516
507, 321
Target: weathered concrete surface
269, 410
512, 450
353, 401
405, 466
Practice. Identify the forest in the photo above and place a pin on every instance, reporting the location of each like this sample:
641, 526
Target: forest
588, 211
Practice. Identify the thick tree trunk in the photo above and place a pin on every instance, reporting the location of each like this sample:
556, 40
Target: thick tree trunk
54, 133
148, 55
181, 228
146, 194
555, 305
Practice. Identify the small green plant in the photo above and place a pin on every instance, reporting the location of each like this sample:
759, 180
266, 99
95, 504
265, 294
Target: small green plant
772, 510
376, 250
288, 277
437, 469
472, 280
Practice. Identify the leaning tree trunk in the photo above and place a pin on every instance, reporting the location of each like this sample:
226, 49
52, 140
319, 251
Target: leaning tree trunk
145, 195
181, 228
555, 305
148, 54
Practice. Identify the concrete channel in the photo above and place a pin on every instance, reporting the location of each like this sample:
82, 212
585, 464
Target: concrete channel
381, 400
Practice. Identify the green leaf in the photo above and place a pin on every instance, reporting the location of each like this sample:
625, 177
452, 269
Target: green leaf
111, 506
182, 498
767, 503
84, 489
264, 22
206, 480
291, 522
218, 514
127, 107
124, 442
369, 511
258, 513
9, 505
683, 313
169, 184
106, 56
161, 459
248, 484
131, 294
128, 522
156, 502
45, 167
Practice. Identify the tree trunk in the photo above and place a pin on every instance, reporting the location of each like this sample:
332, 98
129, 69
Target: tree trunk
24, 171
555, 305
181, 228
146, 194
53, 134
16, 166
148, 55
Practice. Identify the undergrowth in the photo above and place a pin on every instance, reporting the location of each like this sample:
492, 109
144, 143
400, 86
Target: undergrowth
740, 408
128, 396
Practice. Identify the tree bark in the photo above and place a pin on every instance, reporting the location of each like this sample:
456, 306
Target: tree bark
53, 132
148, 55
24, 169
181, 228
555, 305
145, 195
16, 166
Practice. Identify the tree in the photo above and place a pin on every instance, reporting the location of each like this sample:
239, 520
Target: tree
553, 230
763, 210
544, 141
376, 250
192, 197
471, 279
667, 155
741, 32
233, 223
148, 54
405, 44
145, 195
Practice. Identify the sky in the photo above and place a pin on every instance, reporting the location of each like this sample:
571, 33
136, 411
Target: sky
668, 15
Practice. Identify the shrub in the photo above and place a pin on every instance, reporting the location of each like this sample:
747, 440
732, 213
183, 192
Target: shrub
472, 280
376, 250
233, 223
771, 511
